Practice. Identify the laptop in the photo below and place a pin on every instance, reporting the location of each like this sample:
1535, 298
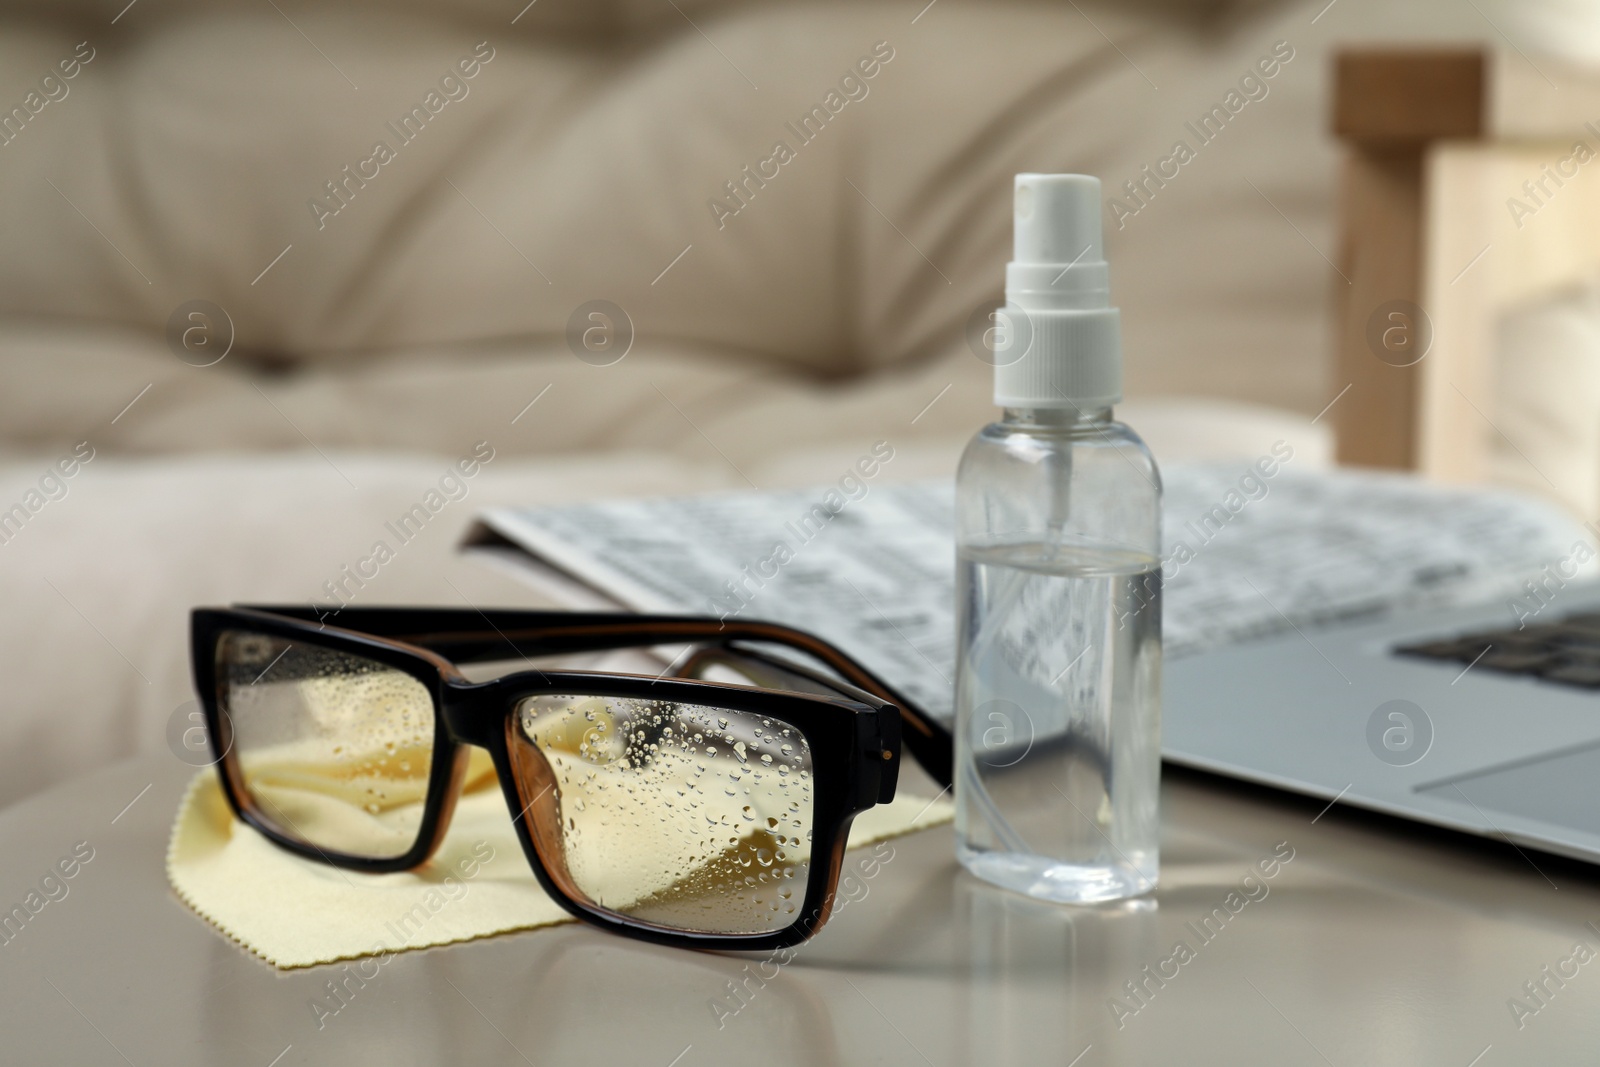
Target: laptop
1458, 718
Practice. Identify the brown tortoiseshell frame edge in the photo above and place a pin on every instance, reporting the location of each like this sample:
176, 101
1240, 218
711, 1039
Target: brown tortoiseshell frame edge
855, 737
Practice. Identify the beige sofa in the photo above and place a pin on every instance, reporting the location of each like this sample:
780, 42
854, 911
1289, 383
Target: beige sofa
391, 309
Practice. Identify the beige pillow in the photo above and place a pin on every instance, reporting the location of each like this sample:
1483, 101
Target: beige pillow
186, 161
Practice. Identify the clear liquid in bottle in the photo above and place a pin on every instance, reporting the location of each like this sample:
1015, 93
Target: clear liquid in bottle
1058, 723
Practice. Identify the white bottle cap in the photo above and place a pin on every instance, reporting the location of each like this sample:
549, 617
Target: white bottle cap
1062, 343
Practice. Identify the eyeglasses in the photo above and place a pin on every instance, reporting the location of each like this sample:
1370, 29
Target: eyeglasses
675, 809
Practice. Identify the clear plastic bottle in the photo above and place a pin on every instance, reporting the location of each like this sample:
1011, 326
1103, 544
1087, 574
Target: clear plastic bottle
1058, 673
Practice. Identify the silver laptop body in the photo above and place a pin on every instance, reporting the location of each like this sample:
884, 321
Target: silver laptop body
1335, 712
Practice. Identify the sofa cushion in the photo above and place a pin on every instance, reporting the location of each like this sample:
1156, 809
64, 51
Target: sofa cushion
206, 158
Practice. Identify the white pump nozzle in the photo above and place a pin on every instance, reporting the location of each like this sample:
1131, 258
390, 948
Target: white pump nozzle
1058, 300
1058, 218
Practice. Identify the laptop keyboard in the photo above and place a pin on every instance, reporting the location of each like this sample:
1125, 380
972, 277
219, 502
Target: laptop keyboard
1566, 651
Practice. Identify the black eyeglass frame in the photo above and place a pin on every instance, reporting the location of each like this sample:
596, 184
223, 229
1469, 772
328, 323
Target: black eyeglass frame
854, 731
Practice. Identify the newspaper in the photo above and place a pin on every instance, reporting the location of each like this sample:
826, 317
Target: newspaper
1244, 557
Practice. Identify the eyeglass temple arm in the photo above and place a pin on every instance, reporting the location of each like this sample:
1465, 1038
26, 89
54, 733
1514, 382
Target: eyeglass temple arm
467, 635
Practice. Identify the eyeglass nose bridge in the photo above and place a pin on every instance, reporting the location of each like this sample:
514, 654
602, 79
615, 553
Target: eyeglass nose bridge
475, 713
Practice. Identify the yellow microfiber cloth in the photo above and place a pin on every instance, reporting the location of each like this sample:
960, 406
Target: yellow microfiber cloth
294, 912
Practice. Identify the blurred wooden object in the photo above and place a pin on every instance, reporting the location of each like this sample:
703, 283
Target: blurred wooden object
1390, 107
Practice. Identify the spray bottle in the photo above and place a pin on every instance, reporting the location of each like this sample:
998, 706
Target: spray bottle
1058, 674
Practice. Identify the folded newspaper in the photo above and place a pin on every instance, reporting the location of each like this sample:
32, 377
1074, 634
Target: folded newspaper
872, 567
